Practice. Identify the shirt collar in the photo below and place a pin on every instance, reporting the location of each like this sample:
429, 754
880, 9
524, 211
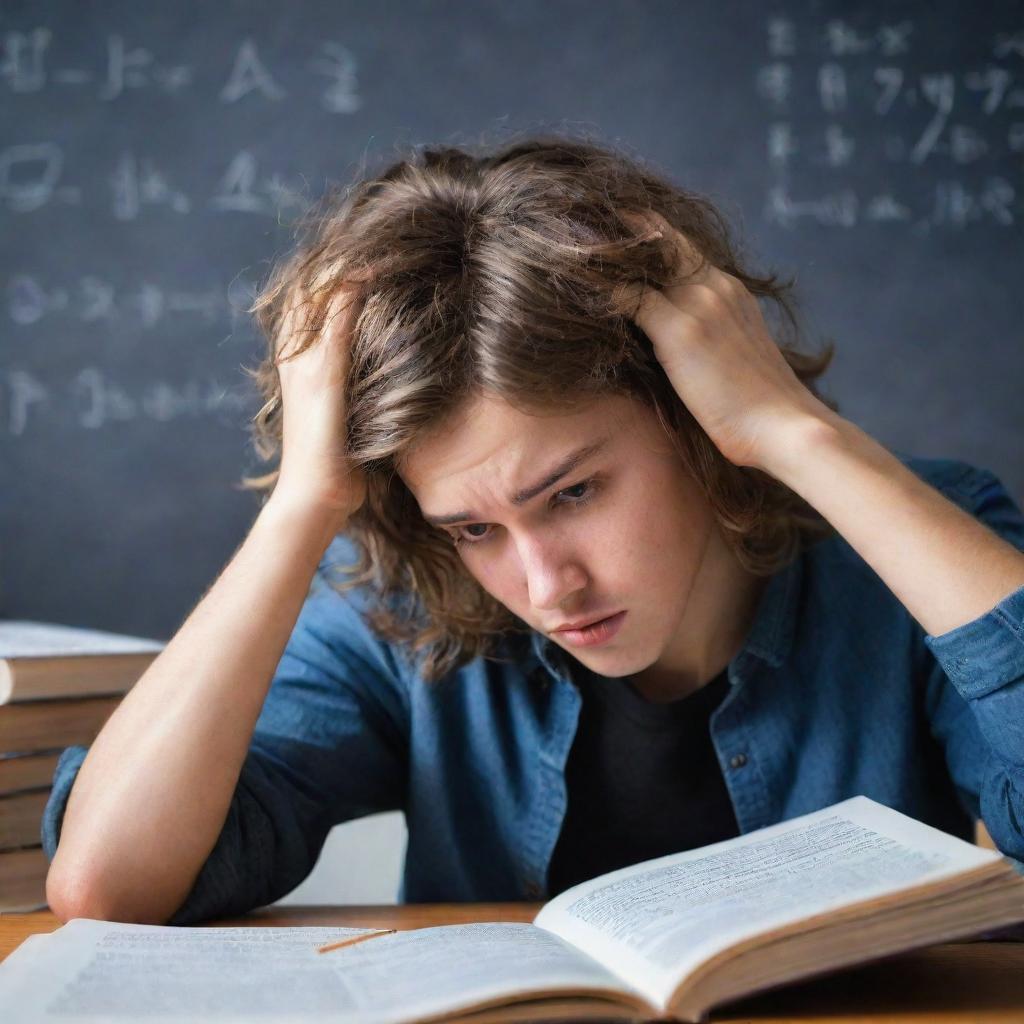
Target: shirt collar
550, 655
771, 634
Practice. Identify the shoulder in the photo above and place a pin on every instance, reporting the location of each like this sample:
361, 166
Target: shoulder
333, 635
342, 616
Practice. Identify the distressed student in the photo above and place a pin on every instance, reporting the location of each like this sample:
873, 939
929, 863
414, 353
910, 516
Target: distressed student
565, 555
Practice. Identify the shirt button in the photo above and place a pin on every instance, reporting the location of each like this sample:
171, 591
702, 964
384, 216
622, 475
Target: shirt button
737, 760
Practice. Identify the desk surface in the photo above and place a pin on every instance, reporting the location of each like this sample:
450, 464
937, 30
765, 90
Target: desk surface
975, 982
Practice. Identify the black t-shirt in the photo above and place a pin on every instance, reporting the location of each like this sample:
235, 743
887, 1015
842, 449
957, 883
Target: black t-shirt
643, 780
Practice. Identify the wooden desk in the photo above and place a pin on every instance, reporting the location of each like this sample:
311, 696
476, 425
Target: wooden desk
958, 983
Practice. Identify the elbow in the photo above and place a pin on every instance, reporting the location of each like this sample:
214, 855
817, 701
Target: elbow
71, 898
78, 896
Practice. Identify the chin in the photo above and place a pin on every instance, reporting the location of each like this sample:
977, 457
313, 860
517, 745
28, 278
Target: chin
613, 667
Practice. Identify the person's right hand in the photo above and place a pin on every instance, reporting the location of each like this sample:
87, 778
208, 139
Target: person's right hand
314, 466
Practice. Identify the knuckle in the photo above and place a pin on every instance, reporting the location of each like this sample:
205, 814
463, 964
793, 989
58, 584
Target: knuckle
734, 288
702, 330
707, 298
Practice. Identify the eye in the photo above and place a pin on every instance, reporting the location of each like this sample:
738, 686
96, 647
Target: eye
577, 496
460, 536
575, 487
586, 489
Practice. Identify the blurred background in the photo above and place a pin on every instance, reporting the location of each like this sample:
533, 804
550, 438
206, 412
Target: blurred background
153, 160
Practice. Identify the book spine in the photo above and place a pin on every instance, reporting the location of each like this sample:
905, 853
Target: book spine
6, 681
86, 675
20, 772
23, 880
53, 724
21, 818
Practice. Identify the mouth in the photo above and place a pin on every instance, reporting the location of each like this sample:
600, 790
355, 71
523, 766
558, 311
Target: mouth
598, 631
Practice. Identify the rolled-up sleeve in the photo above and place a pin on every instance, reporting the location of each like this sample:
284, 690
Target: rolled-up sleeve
983, 660
330, 745
64, 775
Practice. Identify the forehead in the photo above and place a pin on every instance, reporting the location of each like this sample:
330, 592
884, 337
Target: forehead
489, 444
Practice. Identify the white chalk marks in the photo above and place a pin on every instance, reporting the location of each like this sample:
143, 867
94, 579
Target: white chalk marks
848, 106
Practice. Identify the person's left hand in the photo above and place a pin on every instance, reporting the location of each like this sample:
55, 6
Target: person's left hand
712, 341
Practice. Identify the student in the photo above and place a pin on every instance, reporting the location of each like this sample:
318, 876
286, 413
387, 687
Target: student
517, 391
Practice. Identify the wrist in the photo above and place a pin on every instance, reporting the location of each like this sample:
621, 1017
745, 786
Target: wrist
794, 447
306, 512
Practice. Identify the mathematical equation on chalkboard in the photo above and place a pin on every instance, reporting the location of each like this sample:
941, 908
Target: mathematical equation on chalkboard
117, 67
842, 119
91, 299
856, 126
94, 397
34, 174
32, 177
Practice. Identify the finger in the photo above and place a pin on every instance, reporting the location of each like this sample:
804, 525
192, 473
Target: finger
698, 273
691, 262
643, 222
343, 306
660, 318
292, 322
712, 297
304, 316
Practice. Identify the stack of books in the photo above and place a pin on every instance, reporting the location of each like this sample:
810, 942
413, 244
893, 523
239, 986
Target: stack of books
58, 685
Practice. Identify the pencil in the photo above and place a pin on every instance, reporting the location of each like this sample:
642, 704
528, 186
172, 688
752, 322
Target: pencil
352, 941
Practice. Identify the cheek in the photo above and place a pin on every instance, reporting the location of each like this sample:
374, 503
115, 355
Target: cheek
663, 534
498, 575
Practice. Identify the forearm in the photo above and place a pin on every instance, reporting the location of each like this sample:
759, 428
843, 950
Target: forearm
946, 567
153, 793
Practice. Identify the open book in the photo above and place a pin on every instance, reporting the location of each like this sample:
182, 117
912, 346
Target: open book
667, 939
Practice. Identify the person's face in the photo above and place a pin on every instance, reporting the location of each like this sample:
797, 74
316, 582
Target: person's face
625, 530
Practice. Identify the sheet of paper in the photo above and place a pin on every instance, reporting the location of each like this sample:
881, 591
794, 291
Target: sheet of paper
430, 970
100, 971
23, 639
103, 971
654, 923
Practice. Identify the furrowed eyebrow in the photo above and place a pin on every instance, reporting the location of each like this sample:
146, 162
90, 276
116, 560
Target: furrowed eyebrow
567, 465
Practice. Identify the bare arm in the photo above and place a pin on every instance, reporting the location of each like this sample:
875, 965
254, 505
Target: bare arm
153, 793
945, 566
155, 788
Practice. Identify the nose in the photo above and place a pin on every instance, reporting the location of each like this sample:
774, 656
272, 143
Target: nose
553, 573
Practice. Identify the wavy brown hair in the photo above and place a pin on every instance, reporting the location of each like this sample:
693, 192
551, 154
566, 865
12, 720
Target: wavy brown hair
507, 270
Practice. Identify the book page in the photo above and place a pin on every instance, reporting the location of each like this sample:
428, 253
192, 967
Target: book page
657, 921
103, 971
428, 971
22, 639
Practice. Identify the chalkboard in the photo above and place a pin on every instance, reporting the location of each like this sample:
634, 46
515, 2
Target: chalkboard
153, 159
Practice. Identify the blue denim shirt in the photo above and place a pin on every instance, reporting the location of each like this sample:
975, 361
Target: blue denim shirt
837, 691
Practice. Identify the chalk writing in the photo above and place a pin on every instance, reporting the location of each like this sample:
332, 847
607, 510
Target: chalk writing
92, 400
29, 175
120, 67
31, 178
92, 298
845, 100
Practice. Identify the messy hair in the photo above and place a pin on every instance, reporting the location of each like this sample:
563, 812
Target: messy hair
507, 271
